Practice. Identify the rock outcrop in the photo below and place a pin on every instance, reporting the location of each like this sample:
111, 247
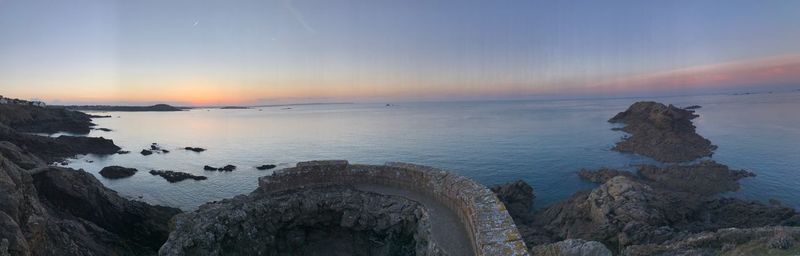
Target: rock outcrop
704, 178
195, 149
173, 176
518, 197
732, 241
330, 220
61, 211
572, 247
266, 167
56, 149
627, 211
665, 133
117, 172
33, 119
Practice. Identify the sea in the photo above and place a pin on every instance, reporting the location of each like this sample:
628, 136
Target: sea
543, 142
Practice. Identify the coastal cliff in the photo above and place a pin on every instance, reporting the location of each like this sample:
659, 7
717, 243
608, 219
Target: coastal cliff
46, 210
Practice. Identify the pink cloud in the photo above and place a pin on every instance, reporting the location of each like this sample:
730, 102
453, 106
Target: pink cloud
759, 72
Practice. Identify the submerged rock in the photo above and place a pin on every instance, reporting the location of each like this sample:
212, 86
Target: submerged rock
313, 221
146, 152
209, 168
117, 172
665, 133
266, 167
227, 168
173, 176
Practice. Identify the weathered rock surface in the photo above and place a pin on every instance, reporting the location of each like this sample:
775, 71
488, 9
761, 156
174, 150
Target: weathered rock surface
572, 247
316, 221
518, 197
732, 241
665, 133
628, 211
173, 176
117, 172
705, 178
60, 211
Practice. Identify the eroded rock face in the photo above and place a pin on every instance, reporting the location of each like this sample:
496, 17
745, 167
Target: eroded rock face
572, 247
315, 221
665, 133
518, 197
60, 211
753, 241
628, 211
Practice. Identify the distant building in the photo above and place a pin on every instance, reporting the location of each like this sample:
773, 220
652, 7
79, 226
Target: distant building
3, 100
38, 104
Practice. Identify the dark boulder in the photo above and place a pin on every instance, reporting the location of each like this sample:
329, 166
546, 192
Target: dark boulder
210, 168
117, 172
146, 152
227, 168
173, 176
198, 150
266, 167
518, 197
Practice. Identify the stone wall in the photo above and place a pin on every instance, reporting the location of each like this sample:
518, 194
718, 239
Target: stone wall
485, 218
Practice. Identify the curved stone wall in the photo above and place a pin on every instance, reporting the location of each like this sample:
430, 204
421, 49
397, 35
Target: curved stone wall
488, 224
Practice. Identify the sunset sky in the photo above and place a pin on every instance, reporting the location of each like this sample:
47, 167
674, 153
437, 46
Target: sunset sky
263, 52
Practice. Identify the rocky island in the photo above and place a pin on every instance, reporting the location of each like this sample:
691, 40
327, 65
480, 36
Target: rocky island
662, 132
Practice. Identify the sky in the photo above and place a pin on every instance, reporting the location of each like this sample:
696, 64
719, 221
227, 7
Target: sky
263, 52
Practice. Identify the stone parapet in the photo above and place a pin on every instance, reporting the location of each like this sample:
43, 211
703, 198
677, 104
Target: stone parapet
485, 218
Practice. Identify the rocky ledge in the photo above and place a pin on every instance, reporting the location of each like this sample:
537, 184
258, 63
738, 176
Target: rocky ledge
662, 132
59, 211
33, 119
173, 176
331, 220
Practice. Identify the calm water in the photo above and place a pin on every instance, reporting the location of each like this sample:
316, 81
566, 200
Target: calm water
541, 142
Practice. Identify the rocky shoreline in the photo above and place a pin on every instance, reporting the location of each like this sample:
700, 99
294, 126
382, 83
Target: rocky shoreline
672, 209
46, 210
675, 209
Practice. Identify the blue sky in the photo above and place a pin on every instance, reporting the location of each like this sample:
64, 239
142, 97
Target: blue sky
209, 52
